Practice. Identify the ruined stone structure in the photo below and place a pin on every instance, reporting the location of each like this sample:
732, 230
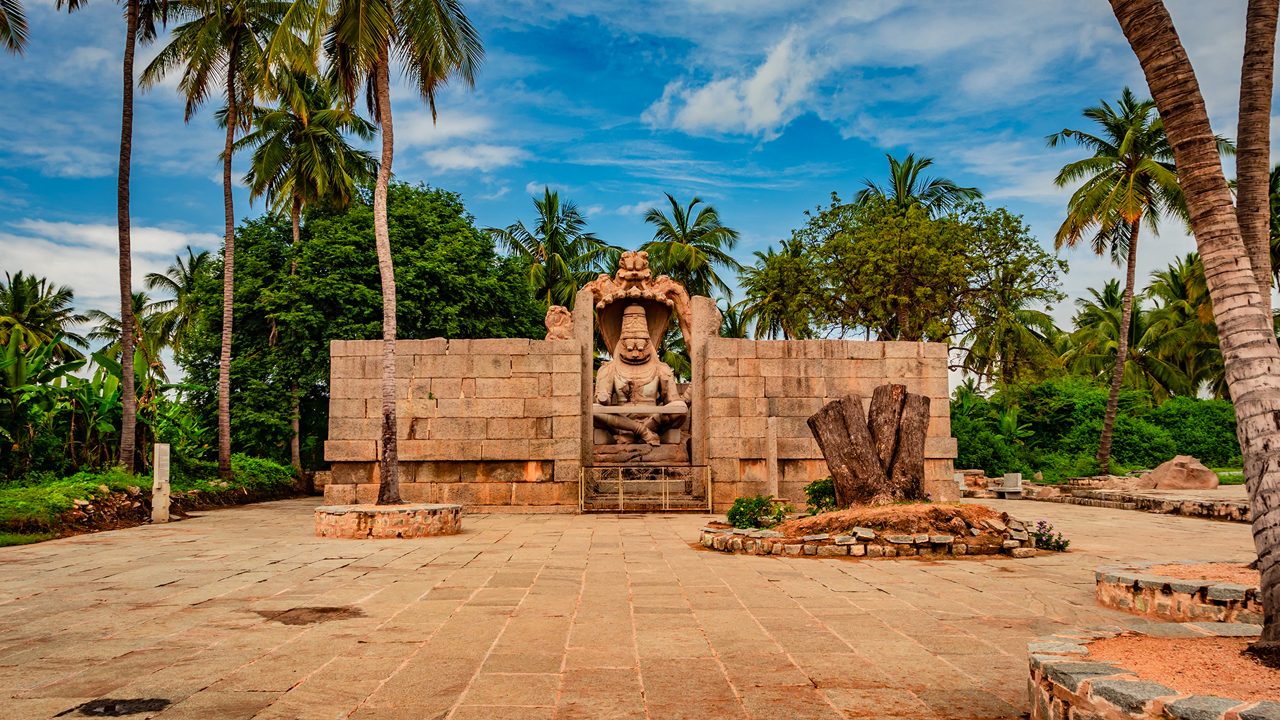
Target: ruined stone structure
516, 425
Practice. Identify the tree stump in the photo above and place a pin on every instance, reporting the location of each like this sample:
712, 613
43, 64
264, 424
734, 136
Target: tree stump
877, 458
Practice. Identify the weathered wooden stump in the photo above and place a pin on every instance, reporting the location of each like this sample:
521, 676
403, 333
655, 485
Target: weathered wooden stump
876, 458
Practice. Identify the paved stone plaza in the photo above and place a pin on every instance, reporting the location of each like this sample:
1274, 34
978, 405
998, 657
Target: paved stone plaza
540, 616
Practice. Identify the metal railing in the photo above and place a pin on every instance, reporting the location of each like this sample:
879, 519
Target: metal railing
621, 488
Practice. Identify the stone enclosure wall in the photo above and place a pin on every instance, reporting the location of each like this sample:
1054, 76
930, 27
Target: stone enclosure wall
504, 424
483, 423
760, 393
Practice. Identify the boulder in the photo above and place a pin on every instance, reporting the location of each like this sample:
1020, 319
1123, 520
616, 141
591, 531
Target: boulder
1182, 473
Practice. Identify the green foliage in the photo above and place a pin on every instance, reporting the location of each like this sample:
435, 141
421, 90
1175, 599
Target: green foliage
450, 283
1047, 538
7, 538
820, 496
1205, 429
757, 512
34, 505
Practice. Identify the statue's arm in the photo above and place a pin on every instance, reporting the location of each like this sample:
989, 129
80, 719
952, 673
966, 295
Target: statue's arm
667, 382
604, 385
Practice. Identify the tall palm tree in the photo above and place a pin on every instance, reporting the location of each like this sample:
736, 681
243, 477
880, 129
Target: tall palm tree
1009, 340
435, 42
179, 281
1181, 324
1253, 139
37, 311
1129, 178
152, 333
141, 20
689, 244
1245, 330
301, 156
1096, 344
13, 26
561, 253
221, 43
908, 189
301, 159
778, 301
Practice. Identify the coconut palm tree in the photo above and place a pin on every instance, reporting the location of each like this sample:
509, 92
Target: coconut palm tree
1181, 324
1129, 178
142, 18
435, 43
561, 253
13, 26
179, 281
1253, 139
37, 311
777, 289
302, 159
908, 189
689, 244
1245, 329
222, 44
151, 333
1009, 340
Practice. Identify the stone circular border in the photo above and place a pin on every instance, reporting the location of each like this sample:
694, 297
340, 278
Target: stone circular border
1131, 589
866, 542
1065, 684
360, 522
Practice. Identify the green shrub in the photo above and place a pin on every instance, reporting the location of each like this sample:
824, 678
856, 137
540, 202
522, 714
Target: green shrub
1134, 442
820, 496
1204, 429
1047, 538
1057, 467
757, 512
250, 474
29, 507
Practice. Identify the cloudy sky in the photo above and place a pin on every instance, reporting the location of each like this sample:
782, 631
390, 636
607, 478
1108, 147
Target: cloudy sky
760, 108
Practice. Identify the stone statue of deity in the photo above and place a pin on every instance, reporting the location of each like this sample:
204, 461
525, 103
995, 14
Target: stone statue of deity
636, 393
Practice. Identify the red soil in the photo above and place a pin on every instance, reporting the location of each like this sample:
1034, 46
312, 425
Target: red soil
1203, 666
1235, 573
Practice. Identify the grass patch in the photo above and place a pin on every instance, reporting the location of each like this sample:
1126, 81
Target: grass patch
7, 539
1229, 476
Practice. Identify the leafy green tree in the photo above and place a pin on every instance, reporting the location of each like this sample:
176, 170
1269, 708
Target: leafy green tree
35, 311
690, 244
779, 293
733, 320
13, 26
153, 330
451, 283
222, 42
1182, 329
1129, 178
1010, 340
179, 282
561, 254
908, 189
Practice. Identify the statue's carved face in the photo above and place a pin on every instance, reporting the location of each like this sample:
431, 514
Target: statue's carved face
635, 348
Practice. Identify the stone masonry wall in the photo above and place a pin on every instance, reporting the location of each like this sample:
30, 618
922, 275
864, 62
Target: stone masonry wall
750, 381
488, 424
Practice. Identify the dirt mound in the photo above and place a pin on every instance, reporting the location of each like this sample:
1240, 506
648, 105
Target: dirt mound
907, 519
1236, 573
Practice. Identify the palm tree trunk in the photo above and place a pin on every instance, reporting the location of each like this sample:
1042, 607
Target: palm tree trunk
295, 442
1253, 144
389, 467
1122, 352
228, 285
128, 395
1250, 355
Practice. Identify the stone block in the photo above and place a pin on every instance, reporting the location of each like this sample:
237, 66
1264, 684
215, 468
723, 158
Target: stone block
566, 384
545, 493
352, 473
1199, 707
511, 428
832, 550
798, 448
720, 347
753, 407
724, 427
339, 348
505, 449
750, 387
793, 407
339, 494
753, 427
722, 407
1132, 696
554, 347
898, 349
461, 428
446, 387
722, 367
346, 408
1265, 710
934, 351
1070, 674
566, 364
793, 386
361, 389
793, 427
491, 366
554, 448
350, 450
430, 346
721, 386
533, 363
499, 346
566, 427
508, 387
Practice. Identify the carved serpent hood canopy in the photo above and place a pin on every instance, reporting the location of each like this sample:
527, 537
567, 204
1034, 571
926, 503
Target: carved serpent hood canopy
634, 284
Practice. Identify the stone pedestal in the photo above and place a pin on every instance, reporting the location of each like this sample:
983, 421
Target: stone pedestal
361, 522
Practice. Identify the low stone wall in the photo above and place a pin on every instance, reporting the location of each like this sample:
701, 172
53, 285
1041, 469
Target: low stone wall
1132, 589
760, 393
1065, 684
361, 522
1229, 510
865, 542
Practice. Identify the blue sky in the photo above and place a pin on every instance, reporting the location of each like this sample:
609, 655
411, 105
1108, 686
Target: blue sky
761, 108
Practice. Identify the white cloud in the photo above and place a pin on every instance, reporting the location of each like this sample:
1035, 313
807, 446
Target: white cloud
85, 256
414, 128
639, 208
480, 157
760, 104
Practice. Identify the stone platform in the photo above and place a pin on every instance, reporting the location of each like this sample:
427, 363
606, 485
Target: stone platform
1133, 589
1227, 502
360, 522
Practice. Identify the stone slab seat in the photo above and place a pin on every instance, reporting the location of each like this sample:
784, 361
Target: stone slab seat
410, 520
1010, 487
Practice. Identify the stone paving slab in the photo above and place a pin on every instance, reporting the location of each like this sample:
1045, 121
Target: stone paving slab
545, 616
